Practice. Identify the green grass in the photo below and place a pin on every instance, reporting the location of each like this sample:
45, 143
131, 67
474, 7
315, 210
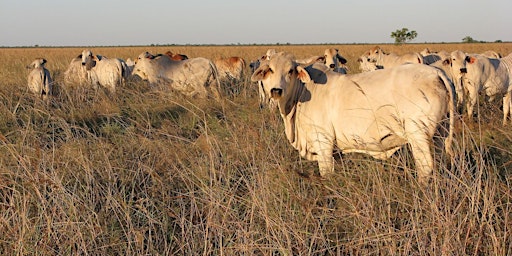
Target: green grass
149, 172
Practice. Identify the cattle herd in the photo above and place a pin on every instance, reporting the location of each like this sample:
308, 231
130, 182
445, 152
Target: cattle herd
395, 100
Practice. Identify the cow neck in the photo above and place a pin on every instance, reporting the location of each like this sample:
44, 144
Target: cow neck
292, 97
379, 59
288, 106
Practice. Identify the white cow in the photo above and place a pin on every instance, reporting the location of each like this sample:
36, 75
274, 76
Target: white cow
264, 99
454, 66
103, 71
335, 61
491, 54
389, 60
39, 79
435, 56
76, 74
367, 65
491, 76
192, 77
373, 112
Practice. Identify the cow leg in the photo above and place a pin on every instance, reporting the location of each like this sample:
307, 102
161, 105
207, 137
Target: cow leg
506, 106
324, 149
420, 146
472, 101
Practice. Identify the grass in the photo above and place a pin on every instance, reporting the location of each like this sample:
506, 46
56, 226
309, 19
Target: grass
151, 172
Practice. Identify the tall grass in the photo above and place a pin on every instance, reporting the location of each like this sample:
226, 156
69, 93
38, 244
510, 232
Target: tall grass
150, 172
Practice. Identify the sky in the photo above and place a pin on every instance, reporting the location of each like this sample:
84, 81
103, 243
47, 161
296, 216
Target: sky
160, 22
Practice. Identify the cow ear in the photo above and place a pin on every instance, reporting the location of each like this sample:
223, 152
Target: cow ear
303, 75
320, 59
472, 60
260, 73
341, 59
447, 62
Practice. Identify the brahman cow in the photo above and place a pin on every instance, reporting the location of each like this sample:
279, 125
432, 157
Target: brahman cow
230, 68
454, 66
492, 76
491, 54
192, 77
176, 56
335, 61
39, 79
435, 56
264, 99
373, 112
103, 71
76, 74
367, 65
389, 60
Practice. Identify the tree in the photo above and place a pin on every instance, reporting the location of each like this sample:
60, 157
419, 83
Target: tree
468, 39
403, 35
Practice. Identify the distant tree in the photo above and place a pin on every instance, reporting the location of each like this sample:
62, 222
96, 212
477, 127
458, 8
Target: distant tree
468, 39
498, 41
403, 35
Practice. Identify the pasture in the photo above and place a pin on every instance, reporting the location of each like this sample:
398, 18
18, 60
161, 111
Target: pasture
150, 172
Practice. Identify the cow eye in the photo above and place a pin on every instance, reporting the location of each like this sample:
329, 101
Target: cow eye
290, 72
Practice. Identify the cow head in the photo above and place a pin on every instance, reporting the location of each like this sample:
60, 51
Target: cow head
374, 53
366, 64
279, 75
142, 65
88, 59
37, 63
333, 59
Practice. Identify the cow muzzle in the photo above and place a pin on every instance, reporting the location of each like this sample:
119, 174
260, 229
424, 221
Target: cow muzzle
464, 70
276, 93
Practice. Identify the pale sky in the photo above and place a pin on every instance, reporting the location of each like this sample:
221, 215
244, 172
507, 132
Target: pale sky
145, 22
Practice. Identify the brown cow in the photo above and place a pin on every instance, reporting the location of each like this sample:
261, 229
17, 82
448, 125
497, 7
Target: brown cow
230, 68
176, 56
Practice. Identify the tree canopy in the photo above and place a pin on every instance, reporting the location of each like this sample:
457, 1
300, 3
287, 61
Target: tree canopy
403, 35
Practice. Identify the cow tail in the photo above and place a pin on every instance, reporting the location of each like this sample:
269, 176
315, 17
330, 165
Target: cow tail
448, 143
216, 89
244, 65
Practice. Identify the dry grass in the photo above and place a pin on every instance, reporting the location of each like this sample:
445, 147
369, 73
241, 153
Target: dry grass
148, 172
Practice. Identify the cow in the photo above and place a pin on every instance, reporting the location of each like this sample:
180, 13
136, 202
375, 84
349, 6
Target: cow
269, 54
435, 56
129, 66
194, 77
454, 66
264, 99
491, 76
365, 64
256, 63
103, 71
176, 56
76, 74
491, 54
335, 61
230, 68
389, 60
39, 79
374, 112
